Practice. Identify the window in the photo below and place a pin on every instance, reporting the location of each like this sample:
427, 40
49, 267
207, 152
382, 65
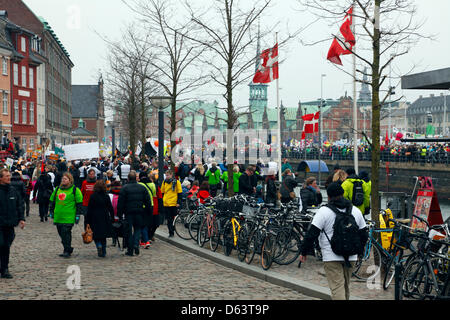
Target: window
16, 111
5, 66
16, 74
24, 76
31, 112
5, 103
23, 44
31, 80
32, 144
24, 112
24, 144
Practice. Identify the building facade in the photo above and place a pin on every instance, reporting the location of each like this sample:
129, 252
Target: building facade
88, 109
58, 71
5, 81
419, 111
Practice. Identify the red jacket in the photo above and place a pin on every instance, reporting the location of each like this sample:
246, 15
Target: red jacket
87, 189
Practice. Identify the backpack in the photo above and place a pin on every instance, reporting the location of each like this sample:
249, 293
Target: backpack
346, 239
358, 193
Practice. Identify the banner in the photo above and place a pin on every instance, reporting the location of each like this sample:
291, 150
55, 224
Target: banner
81, 151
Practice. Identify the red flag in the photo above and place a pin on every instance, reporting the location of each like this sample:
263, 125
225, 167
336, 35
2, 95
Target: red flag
386, 140
268, 69
316, 121
310, 122
336, 50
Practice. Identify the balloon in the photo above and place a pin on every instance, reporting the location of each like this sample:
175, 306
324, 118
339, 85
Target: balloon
399, 136
156, 143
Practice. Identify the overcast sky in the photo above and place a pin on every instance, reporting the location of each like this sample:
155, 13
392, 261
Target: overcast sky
77, 22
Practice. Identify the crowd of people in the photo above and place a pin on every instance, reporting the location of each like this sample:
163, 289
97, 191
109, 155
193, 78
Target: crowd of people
429, 153
123, 197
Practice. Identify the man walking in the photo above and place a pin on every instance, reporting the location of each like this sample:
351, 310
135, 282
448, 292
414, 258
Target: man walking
172, 197
338, 268
134, 202
11, 215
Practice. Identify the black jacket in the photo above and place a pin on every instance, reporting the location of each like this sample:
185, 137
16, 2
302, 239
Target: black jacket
132, 199
11, 206
43, 183
245, 184
287, 186
310, 198
100, 214
18, 184
271, 191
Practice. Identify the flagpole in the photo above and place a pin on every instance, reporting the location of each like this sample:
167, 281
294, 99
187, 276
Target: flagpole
355, 110
279, 118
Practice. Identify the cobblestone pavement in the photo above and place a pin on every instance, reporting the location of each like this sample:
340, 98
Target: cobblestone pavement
312, 271
162, 272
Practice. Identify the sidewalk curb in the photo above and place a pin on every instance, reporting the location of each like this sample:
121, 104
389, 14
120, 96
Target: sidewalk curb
300, 286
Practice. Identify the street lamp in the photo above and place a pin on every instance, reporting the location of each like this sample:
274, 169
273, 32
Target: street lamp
160, 102
320, 118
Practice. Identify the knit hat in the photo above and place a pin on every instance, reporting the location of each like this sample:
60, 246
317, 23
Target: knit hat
334, 190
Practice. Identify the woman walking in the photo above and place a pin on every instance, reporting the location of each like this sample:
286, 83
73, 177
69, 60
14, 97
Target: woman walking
65, 201
157, 206
100, 214
44, 189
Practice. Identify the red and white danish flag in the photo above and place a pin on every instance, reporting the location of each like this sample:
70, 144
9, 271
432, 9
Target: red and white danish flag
348, 38
311, 122
268, 69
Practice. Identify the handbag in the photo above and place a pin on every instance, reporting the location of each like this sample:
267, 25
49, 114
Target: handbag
87, 235
292, 193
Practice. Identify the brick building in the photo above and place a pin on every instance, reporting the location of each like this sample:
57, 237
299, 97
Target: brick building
5, 81
88, 109
23, 74
58, 71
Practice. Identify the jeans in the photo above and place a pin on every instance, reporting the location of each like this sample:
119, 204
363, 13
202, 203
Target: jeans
65, 233
134, 223
144, 235
7, 236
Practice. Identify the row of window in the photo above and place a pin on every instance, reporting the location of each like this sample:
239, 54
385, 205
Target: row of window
25, 146
24, 76
27, 114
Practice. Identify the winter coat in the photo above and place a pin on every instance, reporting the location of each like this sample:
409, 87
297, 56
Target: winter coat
100, 215
245, 184
11, 206
310, 197
271, 190
44, 189
287, 186
133, 199
18, 184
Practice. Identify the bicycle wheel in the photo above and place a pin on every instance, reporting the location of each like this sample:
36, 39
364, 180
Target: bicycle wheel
390, 268
287, 247
227, 238
411, 279
242, 243
426, 288
181, 225
267, 251
215, 235
368, 265
194, 226
203, 232
252, 246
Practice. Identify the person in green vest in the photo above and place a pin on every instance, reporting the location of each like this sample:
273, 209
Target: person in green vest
364, 175
151, 188
65, 208
213, 176
348, 185
236, 175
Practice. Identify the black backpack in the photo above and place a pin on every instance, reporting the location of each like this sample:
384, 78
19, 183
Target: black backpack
358, 193
346, 239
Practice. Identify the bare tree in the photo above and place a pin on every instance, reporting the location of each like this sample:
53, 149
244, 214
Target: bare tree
175, 57
389, 28
227, 31
129, 84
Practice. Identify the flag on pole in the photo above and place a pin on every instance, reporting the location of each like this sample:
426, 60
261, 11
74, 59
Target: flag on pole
348, 38
311, 122
268, 69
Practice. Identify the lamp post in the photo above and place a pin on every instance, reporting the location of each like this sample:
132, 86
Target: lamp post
320, 118
160, 102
